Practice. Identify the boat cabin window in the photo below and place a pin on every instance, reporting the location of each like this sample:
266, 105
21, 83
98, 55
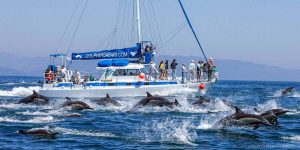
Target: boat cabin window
126, 72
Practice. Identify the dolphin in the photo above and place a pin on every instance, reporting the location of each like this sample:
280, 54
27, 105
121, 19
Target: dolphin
34, 98
271, 115
201, 101
287, 91
73, 115
239, 118
156, 101
206, 101
107, 101
39, 132
75, 105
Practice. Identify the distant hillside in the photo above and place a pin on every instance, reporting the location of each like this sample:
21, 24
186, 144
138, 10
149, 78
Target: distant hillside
242, 70
13, 65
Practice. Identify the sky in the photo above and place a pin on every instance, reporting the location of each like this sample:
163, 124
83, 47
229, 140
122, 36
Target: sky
259, 31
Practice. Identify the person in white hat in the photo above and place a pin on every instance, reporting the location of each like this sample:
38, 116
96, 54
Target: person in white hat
192, 68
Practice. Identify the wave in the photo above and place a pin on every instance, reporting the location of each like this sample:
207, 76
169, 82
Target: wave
170, 130
268, 105
20, 91
46, 119
294, 137
82, 132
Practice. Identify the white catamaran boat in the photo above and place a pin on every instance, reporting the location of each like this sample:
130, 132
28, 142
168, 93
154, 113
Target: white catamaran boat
126, 72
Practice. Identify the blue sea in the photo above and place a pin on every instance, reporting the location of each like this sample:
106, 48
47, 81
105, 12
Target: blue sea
150, 128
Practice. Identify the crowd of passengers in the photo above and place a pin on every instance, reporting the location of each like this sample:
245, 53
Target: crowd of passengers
200, 72
61, 75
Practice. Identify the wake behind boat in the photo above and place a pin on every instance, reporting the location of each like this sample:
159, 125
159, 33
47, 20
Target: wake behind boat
125, 72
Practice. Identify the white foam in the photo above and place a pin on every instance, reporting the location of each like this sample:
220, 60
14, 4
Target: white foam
20, 91
45, 119
176, 91
169, 130
205, 124
295, 94
16, 106
294, 138
271, 104
82, 132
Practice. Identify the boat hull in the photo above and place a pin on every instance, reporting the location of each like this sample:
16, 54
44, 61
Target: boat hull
128, 91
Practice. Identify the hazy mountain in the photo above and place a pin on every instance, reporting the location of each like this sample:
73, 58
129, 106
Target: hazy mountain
228, 69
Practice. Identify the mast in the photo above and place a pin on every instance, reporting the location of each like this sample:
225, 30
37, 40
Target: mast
138, 21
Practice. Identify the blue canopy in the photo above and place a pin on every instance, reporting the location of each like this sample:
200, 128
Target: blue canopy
114, 62
132, 52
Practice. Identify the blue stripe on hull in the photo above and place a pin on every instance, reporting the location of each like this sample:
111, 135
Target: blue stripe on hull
137, 84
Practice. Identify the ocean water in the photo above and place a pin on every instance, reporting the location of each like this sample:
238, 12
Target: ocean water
150, 128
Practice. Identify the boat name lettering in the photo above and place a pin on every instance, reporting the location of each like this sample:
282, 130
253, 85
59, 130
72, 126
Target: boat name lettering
107, 55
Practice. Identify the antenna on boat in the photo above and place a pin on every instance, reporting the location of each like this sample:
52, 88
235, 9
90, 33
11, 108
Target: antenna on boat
138, 21
187, 19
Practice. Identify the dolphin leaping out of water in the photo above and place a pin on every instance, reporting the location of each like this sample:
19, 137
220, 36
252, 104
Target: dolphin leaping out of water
202, 101
107, 101
156, 101
239, 118
271, 115
287, 91
34, 98
76, 105
39, 132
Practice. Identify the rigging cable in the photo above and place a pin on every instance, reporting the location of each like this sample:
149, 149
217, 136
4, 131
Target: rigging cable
133, 22
122, 27
148, 22
155, 21
191, 27
67, 27
177, 30
77, 26
76, 30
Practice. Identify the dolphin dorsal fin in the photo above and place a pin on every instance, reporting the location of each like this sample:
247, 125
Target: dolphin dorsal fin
148, 94
34, 92
107, 96
68, 98
176, 102
238, 110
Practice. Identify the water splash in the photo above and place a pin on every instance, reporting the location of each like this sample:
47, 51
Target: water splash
294, 137
45, 119
83, 132
20, 91
171, 131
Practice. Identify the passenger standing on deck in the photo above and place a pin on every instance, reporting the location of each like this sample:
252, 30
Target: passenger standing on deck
161, 70
198, 71
166, 70
152, 71
64, 73
201, 70
210, 68
173, 67
77, 77
183, 73
192, 68
205, 74
58, 74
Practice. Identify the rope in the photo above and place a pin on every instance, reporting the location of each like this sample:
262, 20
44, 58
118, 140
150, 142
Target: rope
76, 30
67, 27
177, 30
155, 20
77, 26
